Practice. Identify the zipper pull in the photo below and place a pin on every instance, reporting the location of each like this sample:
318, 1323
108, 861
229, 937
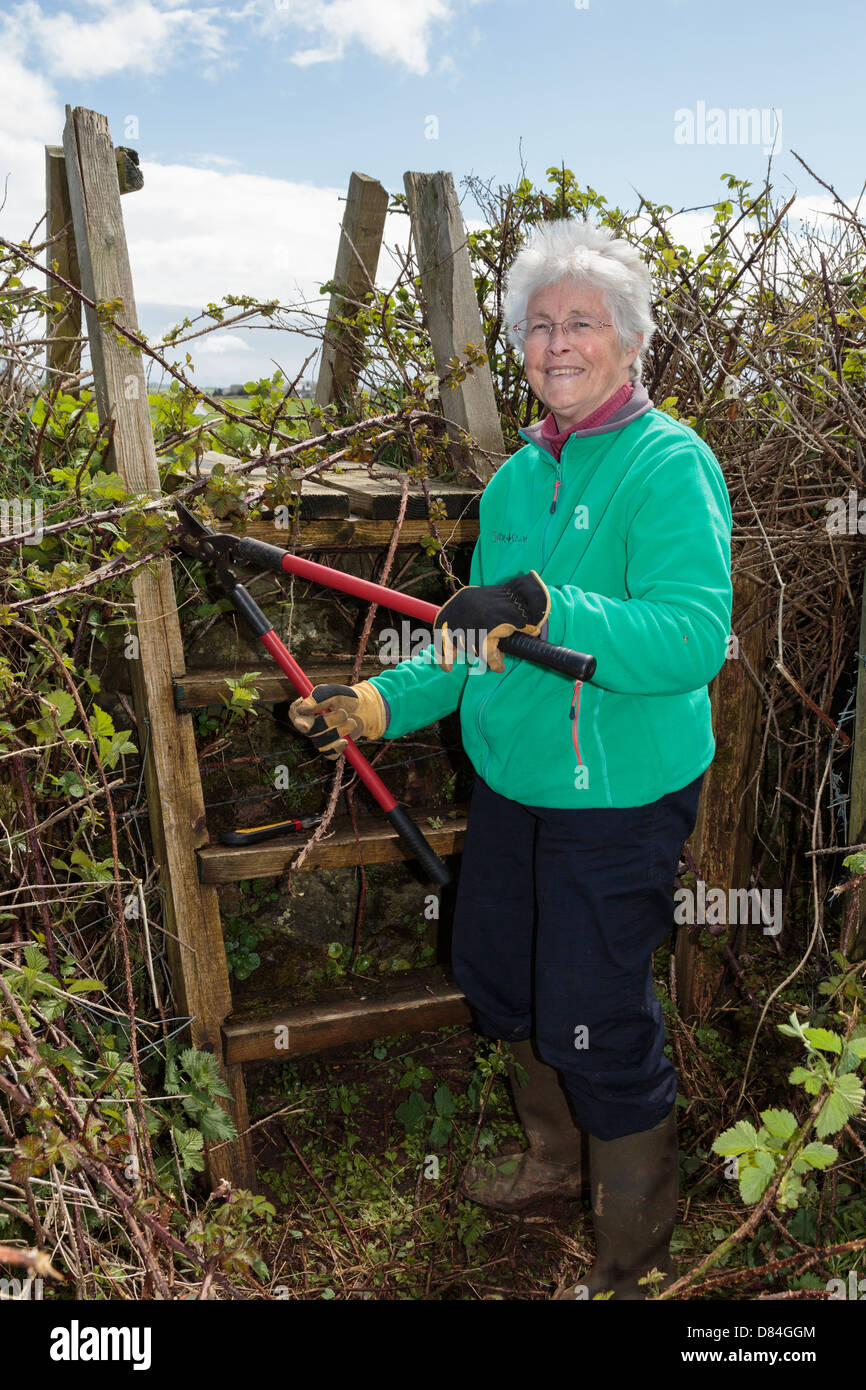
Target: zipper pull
555, 491
577, 685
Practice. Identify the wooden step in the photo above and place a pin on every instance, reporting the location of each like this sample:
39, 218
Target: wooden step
200, 689
316, 501
431, 1000
349, 489
379, 496
379, 844
351, 532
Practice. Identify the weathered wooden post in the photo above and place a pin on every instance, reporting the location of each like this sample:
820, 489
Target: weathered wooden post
723, 838
63, 359
175, 803
453, 316
355, 275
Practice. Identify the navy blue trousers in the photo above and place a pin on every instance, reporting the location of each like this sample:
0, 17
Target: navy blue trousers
557, 915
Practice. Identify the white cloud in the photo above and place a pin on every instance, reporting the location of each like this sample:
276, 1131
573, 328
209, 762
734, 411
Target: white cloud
393, 30
132, 36
222, 345
197, 234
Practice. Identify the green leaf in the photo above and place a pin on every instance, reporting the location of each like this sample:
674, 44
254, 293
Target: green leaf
780, 1123
443, 1101
843, 1103
754, 1183
214, 1123
819, 1155
822, 1038
63, 705
440, 1132
741, 1138
801, 1076
412, 1112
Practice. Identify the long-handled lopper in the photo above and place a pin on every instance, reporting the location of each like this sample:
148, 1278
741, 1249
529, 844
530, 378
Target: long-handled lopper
213, 547
246, 550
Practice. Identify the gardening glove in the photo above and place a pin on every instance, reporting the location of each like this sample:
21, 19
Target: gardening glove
331, 714
476, 617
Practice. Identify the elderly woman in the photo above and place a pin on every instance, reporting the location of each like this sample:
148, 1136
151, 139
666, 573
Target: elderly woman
608, 531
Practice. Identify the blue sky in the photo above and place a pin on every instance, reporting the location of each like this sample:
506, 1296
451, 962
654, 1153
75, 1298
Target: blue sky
250, 118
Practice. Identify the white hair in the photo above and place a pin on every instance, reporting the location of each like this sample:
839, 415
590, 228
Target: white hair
589, 255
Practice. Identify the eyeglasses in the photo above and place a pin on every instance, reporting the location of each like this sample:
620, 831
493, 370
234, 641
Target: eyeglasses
576, 326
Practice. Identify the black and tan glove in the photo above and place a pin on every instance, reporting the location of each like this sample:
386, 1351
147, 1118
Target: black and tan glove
476, 617
331, 714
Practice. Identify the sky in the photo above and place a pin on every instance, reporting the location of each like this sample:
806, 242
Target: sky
249, 119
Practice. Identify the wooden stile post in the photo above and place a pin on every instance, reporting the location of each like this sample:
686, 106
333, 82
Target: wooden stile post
175, 801
453, 317
723, 838
355, 274
64, 321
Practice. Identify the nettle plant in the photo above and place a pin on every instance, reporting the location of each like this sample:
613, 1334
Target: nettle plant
782, 1146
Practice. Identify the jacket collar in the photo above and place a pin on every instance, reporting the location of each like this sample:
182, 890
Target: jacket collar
638, 404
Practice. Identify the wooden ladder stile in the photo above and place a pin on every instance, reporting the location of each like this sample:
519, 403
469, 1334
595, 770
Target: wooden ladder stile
175, 802
335, 513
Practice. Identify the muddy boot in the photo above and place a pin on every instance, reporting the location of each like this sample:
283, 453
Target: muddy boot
551, 1166
634, 1181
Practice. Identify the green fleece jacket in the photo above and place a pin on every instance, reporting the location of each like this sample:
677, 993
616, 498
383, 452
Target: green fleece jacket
630, 531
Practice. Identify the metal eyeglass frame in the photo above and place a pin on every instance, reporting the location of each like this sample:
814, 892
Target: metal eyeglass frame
522, 334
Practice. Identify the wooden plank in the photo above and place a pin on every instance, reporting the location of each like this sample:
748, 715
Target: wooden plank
63, 358
453, 317
352, 532
316, 501
355, 275
723, 839
304, 1028
379, 496
175, 802
200, 689
379, 842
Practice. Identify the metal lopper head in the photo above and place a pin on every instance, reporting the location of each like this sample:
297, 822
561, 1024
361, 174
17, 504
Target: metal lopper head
202, 542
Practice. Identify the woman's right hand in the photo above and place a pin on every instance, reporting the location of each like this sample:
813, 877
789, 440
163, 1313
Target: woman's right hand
331, 714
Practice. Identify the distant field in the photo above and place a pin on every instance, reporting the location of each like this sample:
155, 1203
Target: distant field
240, 403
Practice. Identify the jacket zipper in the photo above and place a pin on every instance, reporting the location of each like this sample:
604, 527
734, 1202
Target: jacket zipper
575, 715
487, 698
556, 487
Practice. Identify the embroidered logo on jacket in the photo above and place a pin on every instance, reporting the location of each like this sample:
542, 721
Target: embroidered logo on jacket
507, 536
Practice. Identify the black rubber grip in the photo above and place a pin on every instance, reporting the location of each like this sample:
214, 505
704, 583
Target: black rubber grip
575, 664
249, 610
260, 554
429, 860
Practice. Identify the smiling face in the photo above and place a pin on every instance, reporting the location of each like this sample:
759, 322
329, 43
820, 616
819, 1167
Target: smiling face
573, 378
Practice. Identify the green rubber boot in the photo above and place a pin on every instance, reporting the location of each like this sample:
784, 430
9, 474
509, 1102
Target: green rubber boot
551, 1166
634, 1182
